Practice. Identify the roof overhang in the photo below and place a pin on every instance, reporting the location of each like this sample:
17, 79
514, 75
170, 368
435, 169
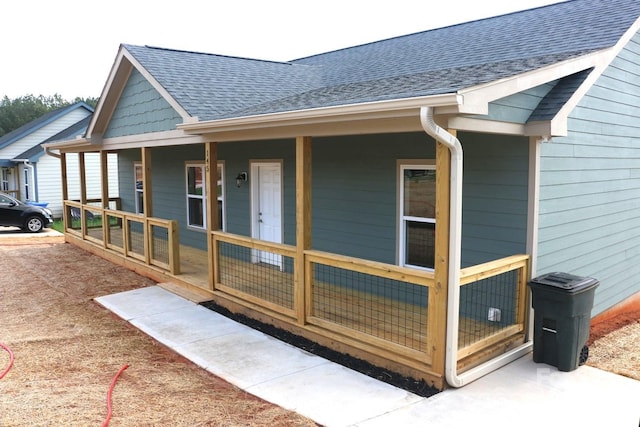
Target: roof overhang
373, 117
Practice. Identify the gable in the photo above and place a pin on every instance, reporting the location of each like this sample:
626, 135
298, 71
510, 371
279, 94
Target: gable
141, 109
37, 134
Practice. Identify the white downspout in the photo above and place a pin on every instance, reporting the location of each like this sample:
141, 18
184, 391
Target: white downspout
453, 290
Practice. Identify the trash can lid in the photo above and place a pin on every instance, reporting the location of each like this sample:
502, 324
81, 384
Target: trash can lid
565, 281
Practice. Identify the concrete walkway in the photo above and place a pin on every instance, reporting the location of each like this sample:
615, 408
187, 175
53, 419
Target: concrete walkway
522, 393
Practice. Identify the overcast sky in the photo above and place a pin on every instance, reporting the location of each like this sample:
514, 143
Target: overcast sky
67, 47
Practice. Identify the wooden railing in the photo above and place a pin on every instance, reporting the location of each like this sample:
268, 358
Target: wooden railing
153, 241
500, 312
376, 307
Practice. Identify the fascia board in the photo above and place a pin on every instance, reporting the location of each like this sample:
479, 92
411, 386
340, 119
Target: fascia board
399, 108
477, 98
118, 77
158, 87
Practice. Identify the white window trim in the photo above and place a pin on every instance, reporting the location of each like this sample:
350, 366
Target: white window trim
202, 197
402, 166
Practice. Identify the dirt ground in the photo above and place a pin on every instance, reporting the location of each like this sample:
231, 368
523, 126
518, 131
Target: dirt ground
68, 350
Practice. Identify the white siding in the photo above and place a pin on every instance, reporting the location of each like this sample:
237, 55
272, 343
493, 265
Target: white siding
49, 179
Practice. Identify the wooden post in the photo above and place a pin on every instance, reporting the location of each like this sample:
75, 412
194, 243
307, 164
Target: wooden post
104, 181
437, 314
83, 193
302, 287
147, 195
211, 187
65, 190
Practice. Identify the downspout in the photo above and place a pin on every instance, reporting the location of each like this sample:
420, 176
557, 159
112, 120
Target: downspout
453, 289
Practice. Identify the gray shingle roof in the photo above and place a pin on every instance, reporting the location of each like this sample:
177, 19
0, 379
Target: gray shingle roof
433, 62
77, 129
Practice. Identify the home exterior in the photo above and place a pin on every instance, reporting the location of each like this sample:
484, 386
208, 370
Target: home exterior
31, 176
390, 200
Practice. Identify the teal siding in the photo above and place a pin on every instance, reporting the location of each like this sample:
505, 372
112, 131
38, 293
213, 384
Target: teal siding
355, 192
518, 107
494, 197
169, 186
590, 186
141, 109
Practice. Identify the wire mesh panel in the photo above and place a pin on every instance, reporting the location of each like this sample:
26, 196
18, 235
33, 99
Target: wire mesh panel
262, 274
135, 233
160, 244
73, 216
388, 309
488, 306
115, 238
93, 220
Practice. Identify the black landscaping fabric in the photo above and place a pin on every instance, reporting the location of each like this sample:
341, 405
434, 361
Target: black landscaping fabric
419, 387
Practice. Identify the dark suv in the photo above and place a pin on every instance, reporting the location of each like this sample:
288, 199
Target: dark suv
15, 213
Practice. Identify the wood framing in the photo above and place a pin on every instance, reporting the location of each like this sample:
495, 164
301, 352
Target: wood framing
303, 224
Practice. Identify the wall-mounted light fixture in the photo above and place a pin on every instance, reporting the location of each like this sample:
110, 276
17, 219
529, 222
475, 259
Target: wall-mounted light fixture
242, 176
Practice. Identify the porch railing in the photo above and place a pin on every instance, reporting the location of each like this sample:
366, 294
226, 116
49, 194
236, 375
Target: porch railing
493, 302
153, 241
373, 305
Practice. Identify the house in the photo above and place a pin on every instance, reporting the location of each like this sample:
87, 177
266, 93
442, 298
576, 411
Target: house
31, 176
390, 200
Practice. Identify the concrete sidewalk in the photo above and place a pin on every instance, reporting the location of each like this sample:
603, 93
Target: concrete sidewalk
522, 393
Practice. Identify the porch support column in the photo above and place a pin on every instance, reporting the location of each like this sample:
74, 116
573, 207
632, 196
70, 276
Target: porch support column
65, 189
83, 178
147, 196
211, 188
147, 193
437, 322
302, 287
83, 192
104, 183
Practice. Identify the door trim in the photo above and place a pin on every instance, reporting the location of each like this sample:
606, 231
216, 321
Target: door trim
254, 179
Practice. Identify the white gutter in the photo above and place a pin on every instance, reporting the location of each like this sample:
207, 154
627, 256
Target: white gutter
453, 290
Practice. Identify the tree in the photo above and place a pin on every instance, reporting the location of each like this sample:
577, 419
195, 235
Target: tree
19, 111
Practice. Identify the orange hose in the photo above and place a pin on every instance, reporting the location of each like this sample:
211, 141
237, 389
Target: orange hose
11, 358
109, 394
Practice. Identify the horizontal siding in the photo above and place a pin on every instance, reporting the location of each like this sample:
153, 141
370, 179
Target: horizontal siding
44, 133
494, 197
590, 186
518, 107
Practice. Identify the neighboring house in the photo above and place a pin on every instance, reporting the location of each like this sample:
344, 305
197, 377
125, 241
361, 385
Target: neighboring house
30, 175
390, 200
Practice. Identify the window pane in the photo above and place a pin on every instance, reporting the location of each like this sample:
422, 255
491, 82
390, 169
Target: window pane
420, 193
196, 213
195, 180
420, 243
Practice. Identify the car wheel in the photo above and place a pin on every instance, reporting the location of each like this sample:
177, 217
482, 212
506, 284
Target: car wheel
34, 224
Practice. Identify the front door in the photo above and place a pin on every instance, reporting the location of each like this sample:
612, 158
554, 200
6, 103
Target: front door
266, 179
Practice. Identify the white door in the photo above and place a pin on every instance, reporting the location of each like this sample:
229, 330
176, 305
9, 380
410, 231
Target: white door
266, 179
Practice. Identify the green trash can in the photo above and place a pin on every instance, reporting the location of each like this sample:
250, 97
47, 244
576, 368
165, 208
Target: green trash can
562, 306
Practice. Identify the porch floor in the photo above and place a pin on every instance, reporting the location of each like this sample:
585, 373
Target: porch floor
524, 392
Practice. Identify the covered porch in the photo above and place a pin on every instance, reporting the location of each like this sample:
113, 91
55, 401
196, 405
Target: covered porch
390, 315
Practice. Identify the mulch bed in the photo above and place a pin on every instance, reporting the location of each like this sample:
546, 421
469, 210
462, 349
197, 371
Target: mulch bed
419, 387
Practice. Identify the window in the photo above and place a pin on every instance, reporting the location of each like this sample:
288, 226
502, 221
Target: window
138, 188
196, 206
417, 215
